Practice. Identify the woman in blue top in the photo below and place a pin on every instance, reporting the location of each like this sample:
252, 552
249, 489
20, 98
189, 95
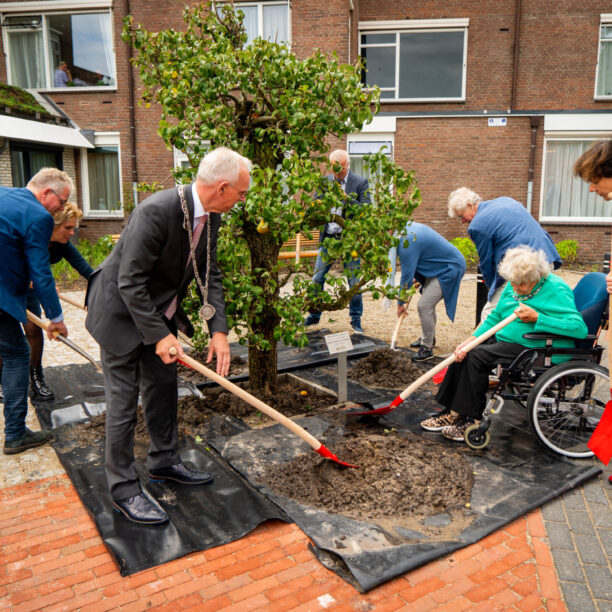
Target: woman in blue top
60, 248
430, 259
543, 303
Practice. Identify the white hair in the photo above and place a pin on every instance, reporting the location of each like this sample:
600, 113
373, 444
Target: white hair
459, 199
341, 156
523, 264
222, 164
52, 178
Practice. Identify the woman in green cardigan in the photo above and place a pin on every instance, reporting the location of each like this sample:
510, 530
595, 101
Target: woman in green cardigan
543, 303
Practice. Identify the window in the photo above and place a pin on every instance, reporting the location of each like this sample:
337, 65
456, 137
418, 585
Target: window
358, 148
27, 160
268, 20
416, 60
603, 86
564, 196
59, 49
102, 177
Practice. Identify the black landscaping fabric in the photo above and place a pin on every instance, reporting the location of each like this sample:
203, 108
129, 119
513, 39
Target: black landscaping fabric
511, 478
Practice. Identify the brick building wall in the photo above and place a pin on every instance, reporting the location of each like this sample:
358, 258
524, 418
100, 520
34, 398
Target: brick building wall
556, 65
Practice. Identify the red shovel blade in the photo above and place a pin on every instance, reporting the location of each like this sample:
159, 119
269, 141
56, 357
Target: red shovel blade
601, 440
325, 452
439, 377
382, 410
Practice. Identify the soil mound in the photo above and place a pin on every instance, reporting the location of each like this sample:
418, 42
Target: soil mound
399, 477
387, 369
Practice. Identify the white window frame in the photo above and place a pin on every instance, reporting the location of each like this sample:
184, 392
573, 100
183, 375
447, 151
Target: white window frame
605, 20
260, 5
101, 139
569, 137
14, 9
415, 25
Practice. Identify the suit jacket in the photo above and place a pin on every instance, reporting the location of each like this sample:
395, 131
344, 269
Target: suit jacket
358, 188
25, 231
129, 292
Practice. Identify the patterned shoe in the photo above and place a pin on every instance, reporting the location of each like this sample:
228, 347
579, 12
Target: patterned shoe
456, 432
440, 421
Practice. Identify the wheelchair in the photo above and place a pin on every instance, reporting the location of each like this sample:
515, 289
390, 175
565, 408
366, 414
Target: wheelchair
565, 401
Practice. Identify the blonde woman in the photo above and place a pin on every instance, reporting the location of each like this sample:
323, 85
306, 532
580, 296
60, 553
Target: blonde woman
60, 247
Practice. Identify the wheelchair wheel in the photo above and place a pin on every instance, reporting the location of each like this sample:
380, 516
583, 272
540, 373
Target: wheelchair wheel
566, 404
476, 440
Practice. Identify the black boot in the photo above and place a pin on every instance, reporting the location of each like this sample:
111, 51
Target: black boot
38, 386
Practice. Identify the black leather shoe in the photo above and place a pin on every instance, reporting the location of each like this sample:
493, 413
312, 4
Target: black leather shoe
180, 473
38, 386
30, 439
423, 354
141, 509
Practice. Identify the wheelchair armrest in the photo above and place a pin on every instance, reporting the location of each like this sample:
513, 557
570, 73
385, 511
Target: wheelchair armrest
549, 336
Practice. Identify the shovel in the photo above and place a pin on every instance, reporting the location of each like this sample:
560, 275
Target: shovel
257, 403
73, 345
443, 364
416, 285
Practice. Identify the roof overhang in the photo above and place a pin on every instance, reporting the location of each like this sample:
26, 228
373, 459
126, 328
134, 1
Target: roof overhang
47, 133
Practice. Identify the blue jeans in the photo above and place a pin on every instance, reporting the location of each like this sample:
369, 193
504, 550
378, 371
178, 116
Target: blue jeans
15, 354
321, 270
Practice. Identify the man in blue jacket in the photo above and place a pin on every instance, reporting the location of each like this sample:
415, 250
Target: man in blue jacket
26, 224
496, 226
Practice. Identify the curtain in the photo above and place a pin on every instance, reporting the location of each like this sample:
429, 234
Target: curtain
604, 76
18, 169
27, 63
250, 21
564, 194
104, 193
275, 26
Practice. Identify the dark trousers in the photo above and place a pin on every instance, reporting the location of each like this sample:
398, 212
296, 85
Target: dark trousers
465, 385
15, 355
124, 376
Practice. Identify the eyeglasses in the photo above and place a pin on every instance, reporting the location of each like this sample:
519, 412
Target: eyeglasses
63, 201
241, 194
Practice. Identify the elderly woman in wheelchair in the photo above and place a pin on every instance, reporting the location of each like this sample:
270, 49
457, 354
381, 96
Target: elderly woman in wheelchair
566, 402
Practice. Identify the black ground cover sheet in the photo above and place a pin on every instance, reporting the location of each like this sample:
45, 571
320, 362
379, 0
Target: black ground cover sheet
512, 477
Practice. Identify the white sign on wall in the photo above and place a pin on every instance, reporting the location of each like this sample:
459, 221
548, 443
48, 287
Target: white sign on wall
497, 121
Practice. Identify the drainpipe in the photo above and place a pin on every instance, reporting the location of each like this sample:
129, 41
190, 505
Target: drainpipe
130, 85
515, 62
350, 27
535, 124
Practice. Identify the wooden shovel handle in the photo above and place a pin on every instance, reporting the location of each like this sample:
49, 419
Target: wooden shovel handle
397, 328
250, 399
70, 301
468, 347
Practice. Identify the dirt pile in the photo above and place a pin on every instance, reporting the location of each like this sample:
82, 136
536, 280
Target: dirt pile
399, 477
237, 366
387, 369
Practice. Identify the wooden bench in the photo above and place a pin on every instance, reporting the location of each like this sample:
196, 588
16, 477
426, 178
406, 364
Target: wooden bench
114, 238
300, 246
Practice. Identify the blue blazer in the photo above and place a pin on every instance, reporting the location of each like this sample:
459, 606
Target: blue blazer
425, 254
25, 231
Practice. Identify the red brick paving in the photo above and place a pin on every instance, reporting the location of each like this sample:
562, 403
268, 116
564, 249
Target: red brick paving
52, 559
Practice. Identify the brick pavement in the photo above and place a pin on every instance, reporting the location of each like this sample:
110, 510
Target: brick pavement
52, 558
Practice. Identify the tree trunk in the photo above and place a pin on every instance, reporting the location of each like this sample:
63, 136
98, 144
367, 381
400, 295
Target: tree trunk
264, 250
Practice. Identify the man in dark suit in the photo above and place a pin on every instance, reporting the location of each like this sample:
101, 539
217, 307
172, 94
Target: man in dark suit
133, 302
357, 190
26, 224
